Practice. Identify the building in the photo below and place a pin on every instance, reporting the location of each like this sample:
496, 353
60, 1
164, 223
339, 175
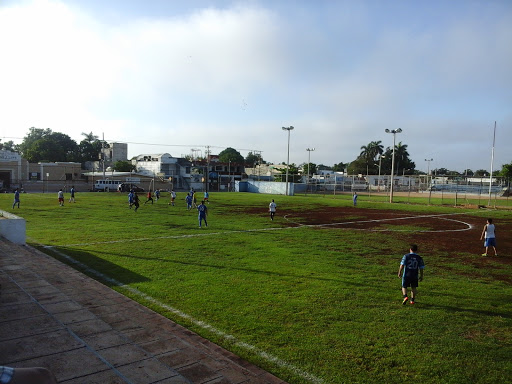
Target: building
13, 170
164, 166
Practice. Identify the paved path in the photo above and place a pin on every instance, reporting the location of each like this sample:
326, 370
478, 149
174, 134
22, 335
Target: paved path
56, 317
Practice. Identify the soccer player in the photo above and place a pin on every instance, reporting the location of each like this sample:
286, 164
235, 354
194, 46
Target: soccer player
354, 198
188, 199
409, 266
206, 196
272, 209
203, 210
60, 196
136, 201
131, 195
194, 199
489, 233
149, 198
157, 194
72, 197
16, 198
173, 197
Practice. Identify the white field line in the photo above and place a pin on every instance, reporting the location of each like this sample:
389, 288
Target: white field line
262, 354
299, 225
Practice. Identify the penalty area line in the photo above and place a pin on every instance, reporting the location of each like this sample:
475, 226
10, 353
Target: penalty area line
226, 336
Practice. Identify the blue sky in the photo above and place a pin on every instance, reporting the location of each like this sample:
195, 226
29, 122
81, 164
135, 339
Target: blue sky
187, 74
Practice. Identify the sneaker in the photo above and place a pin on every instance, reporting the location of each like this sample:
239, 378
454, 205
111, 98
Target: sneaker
412, 302
484, 254
494, 254
405, 300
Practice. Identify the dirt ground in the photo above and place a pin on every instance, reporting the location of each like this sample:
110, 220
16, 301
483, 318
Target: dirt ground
453, 233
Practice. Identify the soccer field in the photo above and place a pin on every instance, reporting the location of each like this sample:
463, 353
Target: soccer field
312, 296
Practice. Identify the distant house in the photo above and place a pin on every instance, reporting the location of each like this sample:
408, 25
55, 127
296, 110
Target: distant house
164, 166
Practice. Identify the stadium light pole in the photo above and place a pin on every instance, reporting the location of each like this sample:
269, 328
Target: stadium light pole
309, 160
380, 164
290, 128
428, 169
394, 132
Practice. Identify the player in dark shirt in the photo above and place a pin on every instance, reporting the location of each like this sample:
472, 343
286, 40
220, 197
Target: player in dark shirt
411, 271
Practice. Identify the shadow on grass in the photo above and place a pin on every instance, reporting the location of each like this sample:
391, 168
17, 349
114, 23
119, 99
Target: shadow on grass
449, 308
90, 265
112, 267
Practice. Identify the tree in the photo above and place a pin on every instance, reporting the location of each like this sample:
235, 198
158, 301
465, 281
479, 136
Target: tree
340, 167
506, 171
231, 155
481, 173
358, 166
46, 145
89, 137
293, 174
468, 172
7, 146
403, 164
90, 151
312, 168
124, 166
254, 158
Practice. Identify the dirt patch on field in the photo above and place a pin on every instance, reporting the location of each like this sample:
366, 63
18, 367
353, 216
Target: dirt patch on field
454, 234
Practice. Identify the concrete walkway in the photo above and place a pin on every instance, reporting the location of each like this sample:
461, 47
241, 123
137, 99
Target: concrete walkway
56, 317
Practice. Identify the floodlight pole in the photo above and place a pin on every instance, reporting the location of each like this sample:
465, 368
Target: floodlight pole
428, 169
394, 132
288, 161
309, 161
380, 163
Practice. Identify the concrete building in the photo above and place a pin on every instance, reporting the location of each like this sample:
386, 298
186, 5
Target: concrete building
13, 169
164, 166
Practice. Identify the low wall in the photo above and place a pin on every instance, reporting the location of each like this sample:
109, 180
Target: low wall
269, 187
12, 227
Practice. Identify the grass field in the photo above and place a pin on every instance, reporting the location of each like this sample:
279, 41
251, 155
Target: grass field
311, 303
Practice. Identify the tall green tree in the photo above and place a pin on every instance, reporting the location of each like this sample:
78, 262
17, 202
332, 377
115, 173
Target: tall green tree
403, 163
253, 158
124, 166
46, 145
231, 155
506, 171
8, 145
90, 137
293, 174
340, 167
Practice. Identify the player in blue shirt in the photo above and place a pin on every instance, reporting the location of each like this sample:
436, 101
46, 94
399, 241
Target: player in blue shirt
203, 210
188, 199
411, 264
16, 198
354, 198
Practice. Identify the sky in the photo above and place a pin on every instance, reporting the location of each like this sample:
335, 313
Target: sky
172, 76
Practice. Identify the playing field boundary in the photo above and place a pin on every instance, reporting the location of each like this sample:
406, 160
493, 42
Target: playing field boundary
203, 325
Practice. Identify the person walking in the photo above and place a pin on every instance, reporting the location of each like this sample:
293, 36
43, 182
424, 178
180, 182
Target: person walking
272, 209
157, 194
16, 198
72, 196
60, 196
203, 210
489, 234
411, 266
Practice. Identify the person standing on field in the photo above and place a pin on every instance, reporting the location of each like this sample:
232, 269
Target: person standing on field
188, 199
272, 209
157, 194
60, 196
354, 198
72, 197
173, 197
16, 198
411, 266
203, 210
136, 201
489, 233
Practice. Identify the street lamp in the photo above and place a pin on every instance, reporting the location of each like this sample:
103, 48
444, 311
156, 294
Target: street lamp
380, 164
394, 132
309, 161
288, 161
428, 169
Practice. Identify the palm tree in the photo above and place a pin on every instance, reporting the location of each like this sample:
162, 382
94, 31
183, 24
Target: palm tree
370, 152
89, 137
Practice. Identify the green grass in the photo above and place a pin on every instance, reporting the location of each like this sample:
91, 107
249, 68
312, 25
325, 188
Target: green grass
324, 302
